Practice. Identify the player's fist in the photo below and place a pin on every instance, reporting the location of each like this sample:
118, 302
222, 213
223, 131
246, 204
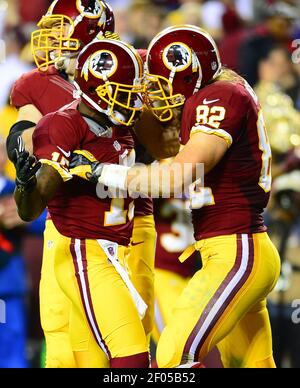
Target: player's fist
26, 167
85, 166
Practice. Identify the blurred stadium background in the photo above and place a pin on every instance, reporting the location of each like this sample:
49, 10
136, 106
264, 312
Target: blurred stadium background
258, 38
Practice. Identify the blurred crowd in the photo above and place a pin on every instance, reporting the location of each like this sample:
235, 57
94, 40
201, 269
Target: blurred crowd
260, 39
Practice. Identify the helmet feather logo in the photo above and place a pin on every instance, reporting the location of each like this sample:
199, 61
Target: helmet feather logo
177, 56
90, 8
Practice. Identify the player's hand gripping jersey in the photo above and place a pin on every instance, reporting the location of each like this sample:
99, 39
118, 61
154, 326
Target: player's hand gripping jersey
76, 210
237, 189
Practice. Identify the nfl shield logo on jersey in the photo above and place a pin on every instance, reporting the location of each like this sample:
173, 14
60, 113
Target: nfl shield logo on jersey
111, 251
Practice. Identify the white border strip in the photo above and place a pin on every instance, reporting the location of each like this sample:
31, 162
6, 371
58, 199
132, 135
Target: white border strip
224, 296
85, 297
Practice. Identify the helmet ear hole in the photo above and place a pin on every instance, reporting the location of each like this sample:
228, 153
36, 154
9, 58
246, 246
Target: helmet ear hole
92, 90
188, 79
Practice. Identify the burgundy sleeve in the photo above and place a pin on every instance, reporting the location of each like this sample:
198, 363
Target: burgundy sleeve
21, 93
54, 139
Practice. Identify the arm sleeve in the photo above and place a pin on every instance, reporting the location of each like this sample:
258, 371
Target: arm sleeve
54, 140
27, 90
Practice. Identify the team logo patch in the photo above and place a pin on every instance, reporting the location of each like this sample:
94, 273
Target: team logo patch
90, 8
102, 64
50, 10
177, 55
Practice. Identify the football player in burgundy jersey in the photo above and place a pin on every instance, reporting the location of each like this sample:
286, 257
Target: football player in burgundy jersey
95, 230
222, 129
46, 90
35, 94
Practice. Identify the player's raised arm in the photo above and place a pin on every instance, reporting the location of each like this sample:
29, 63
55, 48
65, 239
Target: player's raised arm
23, 99
28, 117
35, 184
32, 114
201, 149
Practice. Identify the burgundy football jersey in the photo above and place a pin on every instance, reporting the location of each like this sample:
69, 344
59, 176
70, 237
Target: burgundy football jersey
174, 234
76, 209
47, 91
237, 189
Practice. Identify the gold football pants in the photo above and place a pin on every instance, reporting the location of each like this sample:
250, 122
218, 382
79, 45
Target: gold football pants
105, 328
226, 298
55, 307
141, 265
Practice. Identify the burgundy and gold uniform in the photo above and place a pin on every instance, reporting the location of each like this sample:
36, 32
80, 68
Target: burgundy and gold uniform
54, 139
142, 251
173, 227
95, 233
237, 190
49, 91
224, 303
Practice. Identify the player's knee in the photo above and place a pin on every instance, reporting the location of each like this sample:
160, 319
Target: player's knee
140, 360
168, 354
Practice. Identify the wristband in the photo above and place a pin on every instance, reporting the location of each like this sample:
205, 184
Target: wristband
114, 176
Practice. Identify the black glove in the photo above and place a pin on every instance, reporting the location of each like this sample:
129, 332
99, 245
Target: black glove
85, 165
26, 167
